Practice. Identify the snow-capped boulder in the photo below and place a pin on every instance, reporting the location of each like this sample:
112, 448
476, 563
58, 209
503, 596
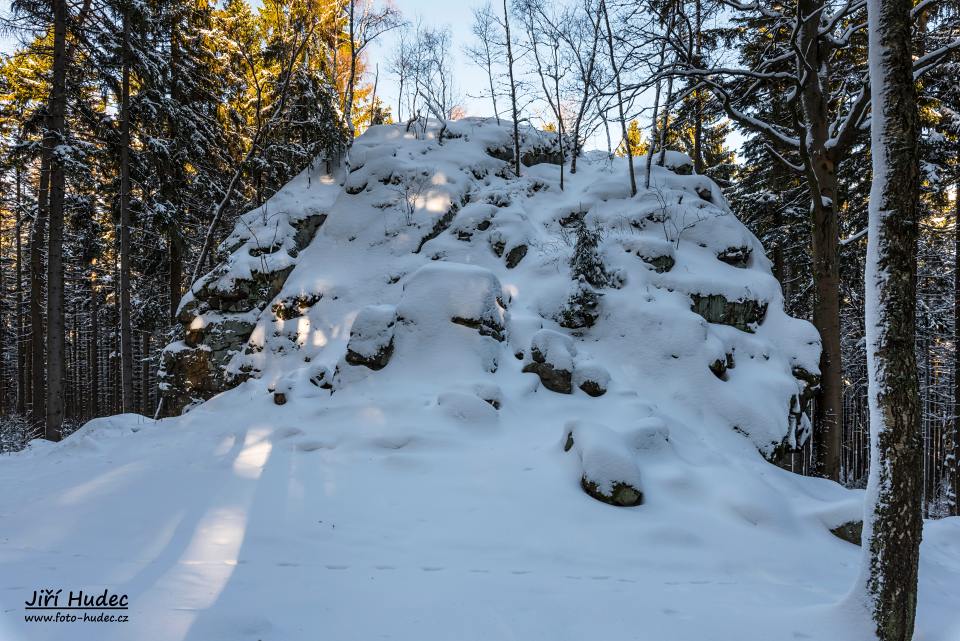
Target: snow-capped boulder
591, 377
609, 471
551, 356
371, 337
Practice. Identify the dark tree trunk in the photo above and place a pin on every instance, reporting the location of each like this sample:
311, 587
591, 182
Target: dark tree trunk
821, 178
893, 523
513, 92
173, 180
56, 355
623, 118
828, 417
698, 96
38, 393
94, 349
21, 355
126, 327
953, 446
145, 387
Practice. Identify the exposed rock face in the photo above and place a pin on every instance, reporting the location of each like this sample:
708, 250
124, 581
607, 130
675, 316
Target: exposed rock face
736, 256
218, 316
851, 532
530, 153
743, 314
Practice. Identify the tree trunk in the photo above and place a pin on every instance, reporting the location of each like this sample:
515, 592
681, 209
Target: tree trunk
94, 350
892, 523
828, 419
513, 92
698, 167
623, 118
821, 178
352, 78
952, 461
56, 355
145, 402
3, 334
38, 393
21, 356
173, 182
126, 326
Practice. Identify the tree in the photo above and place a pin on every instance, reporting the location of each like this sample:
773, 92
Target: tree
513, 90
365, 23
54, 143
485, 52
620, 97
892, 523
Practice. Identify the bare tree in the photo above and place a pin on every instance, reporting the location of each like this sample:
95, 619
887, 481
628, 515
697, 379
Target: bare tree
487, 52
401, 63
544, 42
365, 23
513, 89
620, 98
433, 73
581, 36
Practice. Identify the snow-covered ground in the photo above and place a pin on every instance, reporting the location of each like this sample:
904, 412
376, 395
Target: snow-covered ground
439, 497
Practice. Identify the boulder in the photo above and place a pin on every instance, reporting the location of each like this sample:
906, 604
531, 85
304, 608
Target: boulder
591, 377
552, 360
609, 472
371, 337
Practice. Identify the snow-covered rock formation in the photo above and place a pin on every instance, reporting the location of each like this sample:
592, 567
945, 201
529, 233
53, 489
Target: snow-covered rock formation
434, 252
428, 399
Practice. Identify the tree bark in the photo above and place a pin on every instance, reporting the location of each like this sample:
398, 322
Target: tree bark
56, 355
174, 179
145, 401
623, 118
698, 167
513, 92
820, 163
892, 521
38, 393
94, 349
953, 447
21, 405
126, 325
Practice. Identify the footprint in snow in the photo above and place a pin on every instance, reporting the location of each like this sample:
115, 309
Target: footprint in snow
313, 446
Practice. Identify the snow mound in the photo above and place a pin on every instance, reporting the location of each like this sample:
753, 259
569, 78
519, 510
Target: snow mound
377, 375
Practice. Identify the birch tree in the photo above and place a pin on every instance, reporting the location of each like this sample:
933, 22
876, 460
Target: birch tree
892, 520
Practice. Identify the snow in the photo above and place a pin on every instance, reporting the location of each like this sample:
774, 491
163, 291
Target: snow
433, 498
